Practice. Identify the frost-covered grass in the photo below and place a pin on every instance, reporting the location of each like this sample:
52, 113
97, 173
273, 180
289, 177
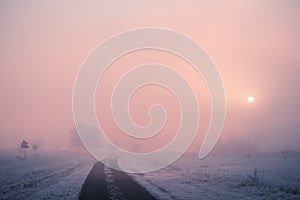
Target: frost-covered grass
50, 175
60, 175
268, 176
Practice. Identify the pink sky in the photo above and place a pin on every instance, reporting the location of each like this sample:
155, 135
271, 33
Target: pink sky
255, 45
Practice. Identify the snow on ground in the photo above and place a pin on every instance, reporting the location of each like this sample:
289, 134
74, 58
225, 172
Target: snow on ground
60, 175
50, 175
269, 176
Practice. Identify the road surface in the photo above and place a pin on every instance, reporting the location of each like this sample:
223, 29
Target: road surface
107, 183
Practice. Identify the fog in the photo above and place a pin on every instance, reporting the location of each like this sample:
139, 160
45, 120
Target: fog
254, 44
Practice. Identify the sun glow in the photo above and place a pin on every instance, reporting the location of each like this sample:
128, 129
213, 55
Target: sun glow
250, 99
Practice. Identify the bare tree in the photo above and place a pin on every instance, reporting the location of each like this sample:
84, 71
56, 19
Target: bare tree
35, 147
35, 151
24, 145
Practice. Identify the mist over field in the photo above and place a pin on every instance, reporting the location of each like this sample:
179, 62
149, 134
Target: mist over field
254, 45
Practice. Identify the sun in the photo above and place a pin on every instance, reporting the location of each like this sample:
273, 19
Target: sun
250, 99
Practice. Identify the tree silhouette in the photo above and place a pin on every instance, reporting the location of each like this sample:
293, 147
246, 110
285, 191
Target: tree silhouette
24, 145
35, 147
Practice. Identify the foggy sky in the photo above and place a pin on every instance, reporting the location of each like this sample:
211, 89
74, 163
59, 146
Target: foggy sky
254, 44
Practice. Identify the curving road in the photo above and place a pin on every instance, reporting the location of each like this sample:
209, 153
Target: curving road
107, 183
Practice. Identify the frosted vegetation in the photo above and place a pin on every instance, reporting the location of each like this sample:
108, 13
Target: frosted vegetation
60, 175
262, 176
50, 175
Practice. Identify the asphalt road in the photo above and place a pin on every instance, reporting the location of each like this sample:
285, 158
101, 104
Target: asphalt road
107, 183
